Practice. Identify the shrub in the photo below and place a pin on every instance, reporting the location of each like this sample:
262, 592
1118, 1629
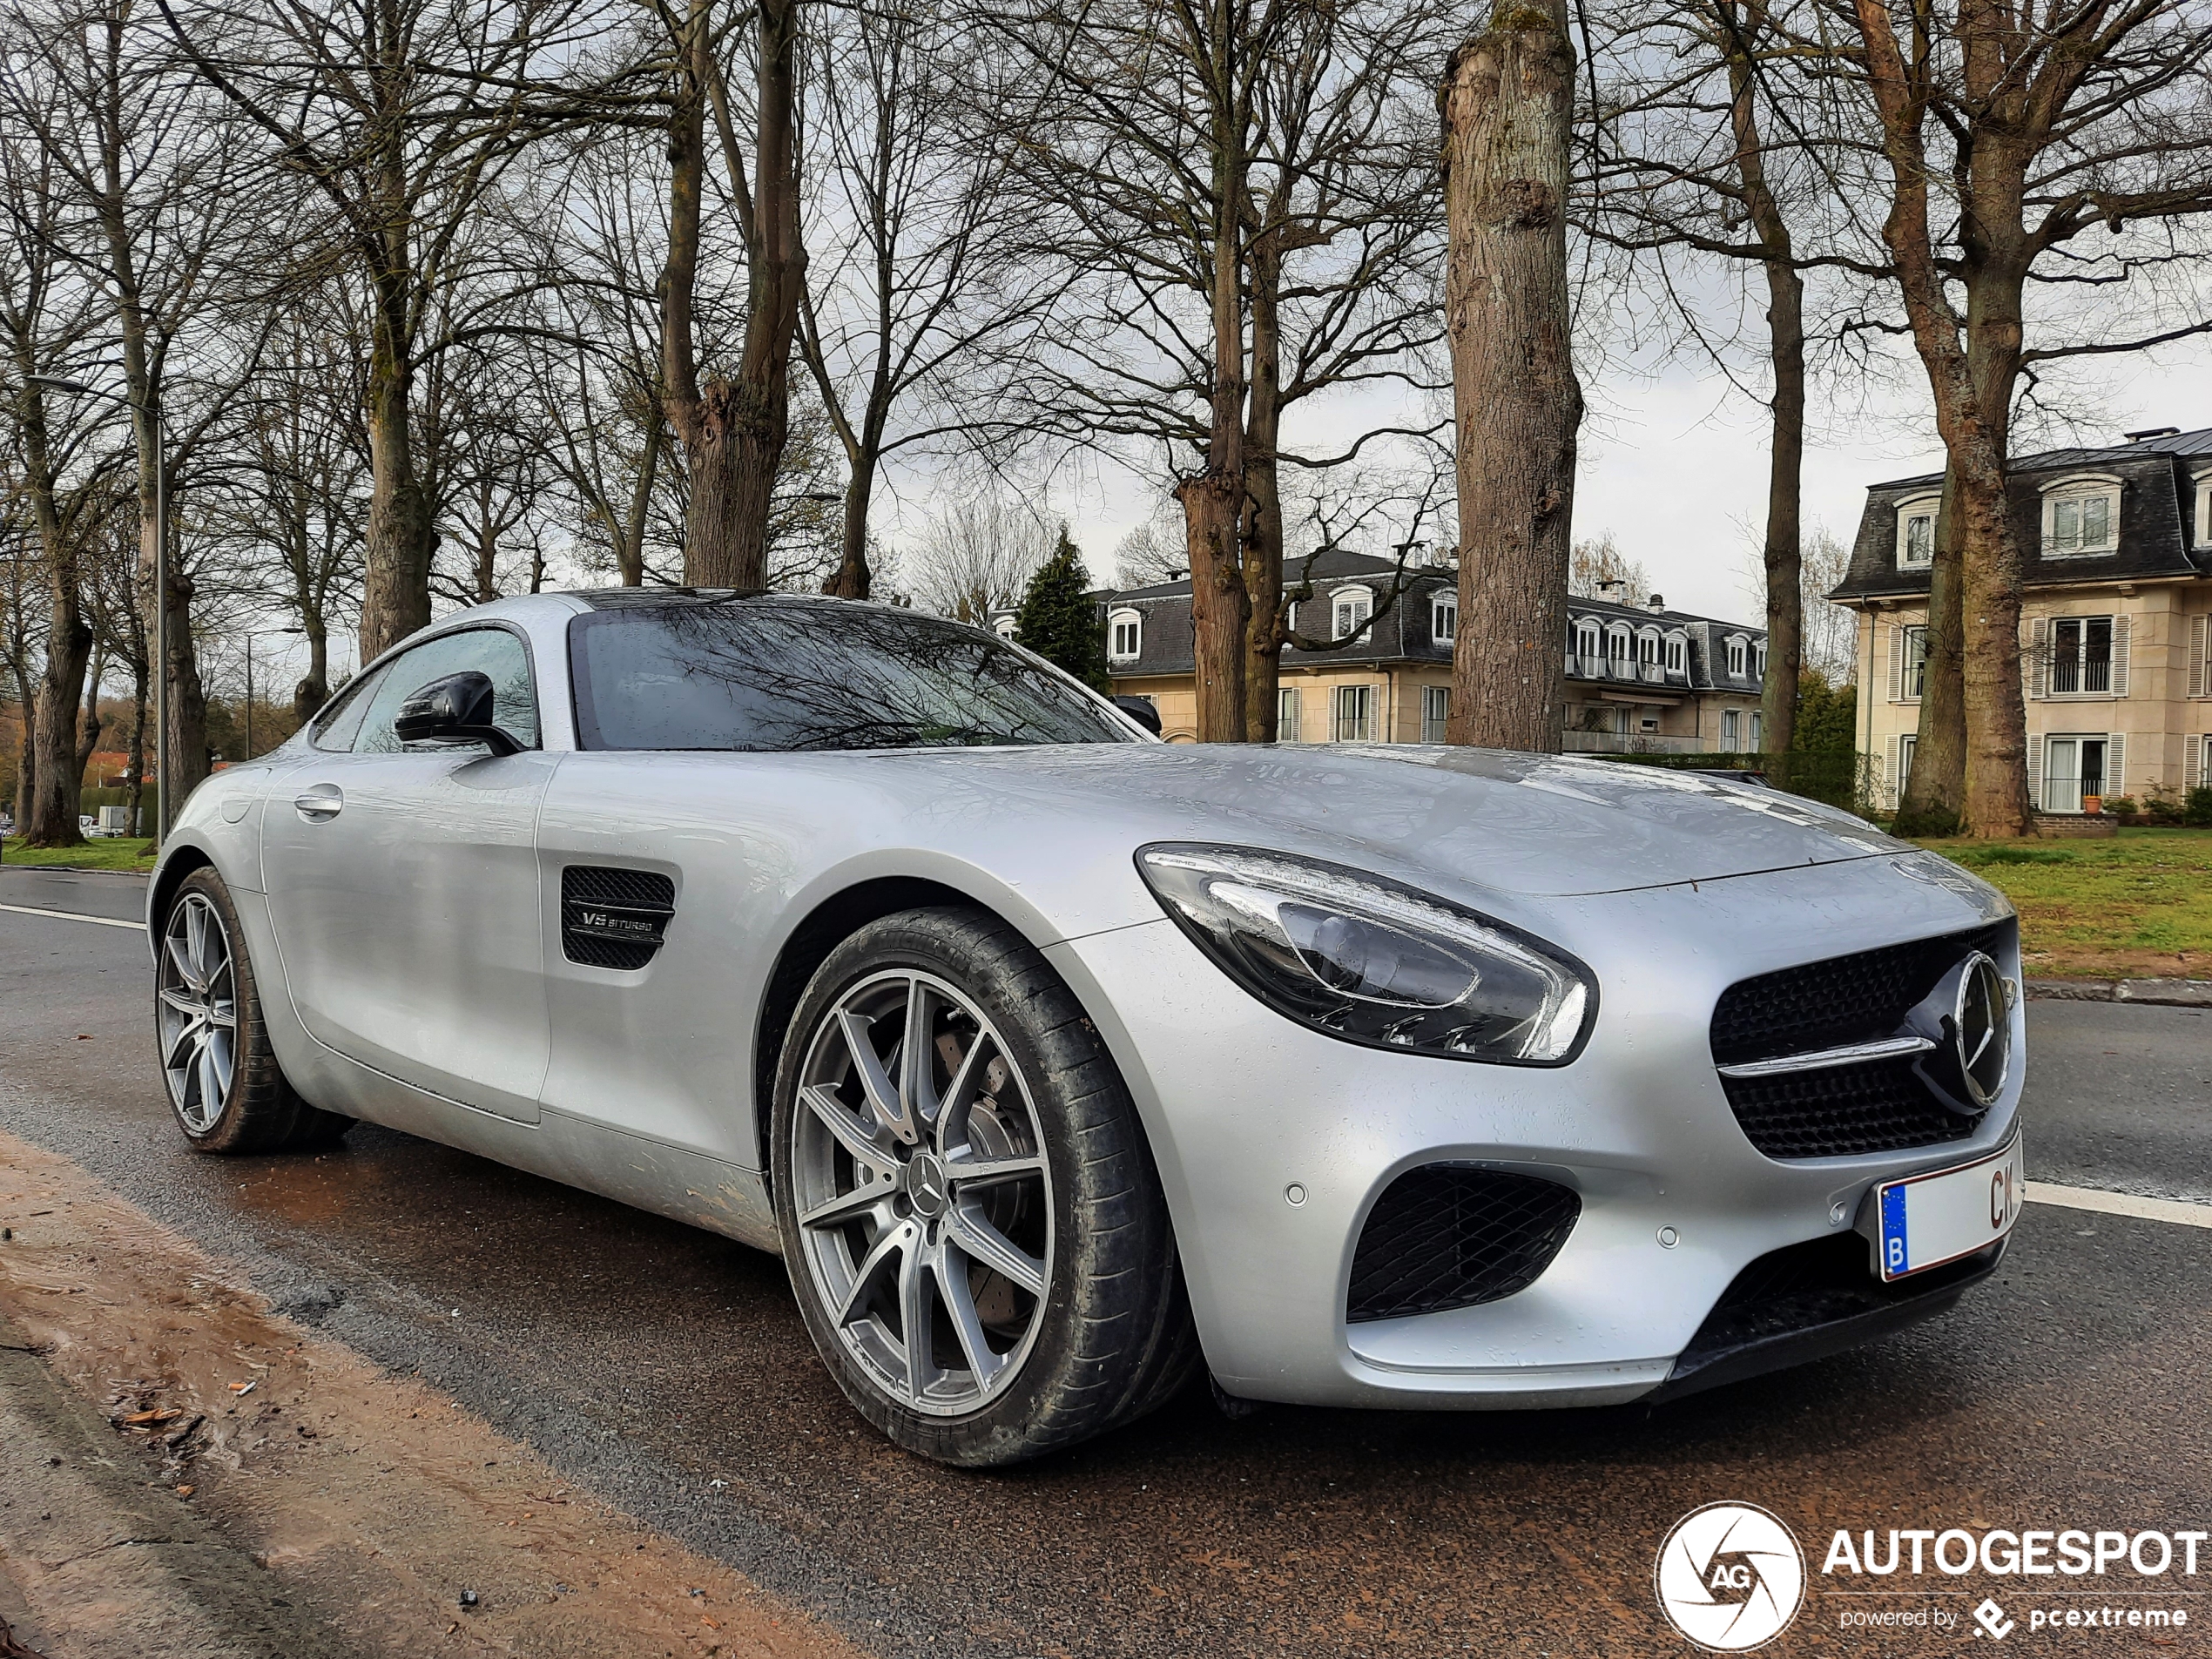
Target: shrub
2196, 811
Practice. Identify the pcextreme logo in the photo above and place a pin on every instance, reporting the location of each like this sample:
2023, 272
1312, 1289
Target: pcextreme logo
1730, 1577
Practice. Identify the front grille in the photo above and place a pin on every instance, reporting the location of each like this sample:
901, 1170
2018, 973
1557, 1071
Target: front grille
1839, 1111
641, 899
1803, 1286
1845, 999
1446, 1236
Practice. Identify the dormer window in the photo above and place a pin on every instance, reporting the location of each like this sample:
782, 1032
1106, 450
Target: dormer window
1916, 526
1125, 636
1586, 643
1677, 654
1616, 646
2203, 482
1004, 627
1647, 649
1444, 619
2080, 517
1354, 606
1739, 656
1759, 656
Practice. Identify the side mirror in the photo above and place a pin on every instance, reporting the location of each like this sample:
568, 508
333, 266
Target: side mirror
457, 708
1141, 711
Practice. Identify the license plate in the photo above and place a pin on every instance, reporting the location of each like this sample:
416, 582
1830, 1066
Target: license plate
1926, 1220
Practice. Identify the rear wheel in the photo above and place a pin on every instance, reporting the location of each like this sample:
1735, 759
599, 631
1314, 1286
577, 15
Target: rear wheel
969, 1210
224, 1086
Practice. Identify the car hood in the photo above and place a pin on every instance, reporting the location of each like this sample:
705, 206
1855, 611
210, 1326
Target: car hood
1541, 824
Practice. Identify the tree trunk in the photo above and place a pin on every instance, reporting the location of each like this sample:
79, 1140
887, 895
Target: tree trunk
851, 577
313, 689
1263, 547
57, 779
188, 762
1933, 800
395, 592
758, 414
88, 736
1506, 102
1782, 553
134, 800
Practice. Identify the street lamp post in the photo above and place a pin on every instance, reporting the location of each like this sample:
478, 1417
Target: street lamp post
252, 635
61, 383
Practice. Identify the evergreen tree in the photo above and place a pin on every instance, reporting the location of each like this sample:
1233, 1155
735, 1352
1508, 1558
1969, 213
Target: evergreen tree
1059, 621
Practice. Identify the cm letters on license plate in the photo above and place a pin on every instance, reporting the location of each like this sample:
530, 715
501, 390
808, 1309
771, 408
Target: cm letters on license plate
1927, 1220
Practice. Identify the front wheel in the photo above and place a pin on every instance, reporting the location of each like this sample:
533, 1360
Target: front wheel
224, 1087
970, 1209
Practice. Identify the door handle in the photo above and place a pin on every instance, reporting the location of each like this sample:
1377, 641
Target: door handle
320, 804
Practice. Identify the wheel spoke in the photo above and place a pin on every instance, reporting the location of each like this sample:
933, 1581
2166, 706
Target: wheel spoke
971, 1230
183, 1002
211, 1096
893, 1243
875, 1082
222, 1014
835, 1212
855, 1136
959, 1304
180, 959
182, 1037
221, 1056
960, 1093
970, 1174
917, 1063
196, 931
915, 1324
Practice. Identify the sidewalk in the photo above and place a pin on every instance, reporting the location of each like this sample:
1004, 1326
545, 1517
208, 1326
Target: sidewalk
185, 1475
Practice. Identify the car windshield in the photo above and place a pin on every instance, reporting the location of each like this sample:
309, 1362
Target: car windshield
770, 673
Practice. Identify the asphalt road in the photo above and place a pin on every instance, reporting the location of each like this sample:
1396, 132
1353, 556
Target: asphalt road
668, 1370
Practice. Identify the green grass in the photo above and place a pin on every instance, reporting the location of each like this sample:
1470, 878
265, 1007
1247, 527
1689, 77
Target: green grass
2138, 905
119, 853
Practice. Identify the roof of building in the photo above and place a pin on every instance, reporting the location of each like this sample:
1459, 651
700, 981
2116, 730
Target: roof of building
2155, 534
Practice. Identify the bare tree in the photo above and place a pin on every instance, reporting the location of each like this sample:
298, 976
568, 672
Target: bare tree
2004, 135
1597, 569
975, 556
1507, 102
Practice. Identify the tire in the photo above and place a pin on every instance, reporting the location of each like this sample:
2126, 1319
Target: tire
211, 1041
1085, 1325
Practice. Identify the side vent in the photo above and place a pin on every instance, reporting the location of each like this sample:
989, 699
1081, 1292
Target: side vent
614, 918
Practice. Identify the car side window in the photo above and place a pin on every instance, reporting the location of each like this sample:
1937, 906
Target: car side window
491, 651
342, 723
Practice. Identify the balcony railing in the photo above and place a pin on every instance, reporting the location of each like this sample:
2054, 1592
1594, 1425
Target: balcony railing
1623, 670
1625, 743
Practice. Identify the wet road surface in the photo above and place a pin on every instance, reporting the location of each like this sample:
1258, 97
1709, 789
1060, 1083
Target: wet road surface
669, 1371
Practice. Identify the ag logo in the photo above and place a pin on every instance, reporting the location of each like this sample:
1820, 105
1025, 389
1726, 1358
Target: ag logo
1730, 1577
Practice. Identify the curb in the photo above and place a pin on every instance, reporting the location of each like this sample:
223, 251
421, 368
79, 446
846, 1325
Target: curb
2162, 993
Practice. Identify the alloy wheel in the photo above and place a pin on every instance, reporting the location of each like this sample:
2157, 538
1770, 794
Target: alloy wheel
197, 1004
923, 1198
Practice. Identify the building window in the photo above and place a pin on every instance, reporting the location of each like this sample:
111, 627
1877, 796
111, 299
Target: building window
2081, 518
1355, 713
1354, 607
1616, 650
1757, 743
1444, 619
1286, 726
1677, 654
1912, 675
1436, 712
1731, 732
1647, 651
1916, 525
2074, 769
1759, 655
1586, 646
1126, 641
1905, 745
2204, 510
2081, 654
1739, 654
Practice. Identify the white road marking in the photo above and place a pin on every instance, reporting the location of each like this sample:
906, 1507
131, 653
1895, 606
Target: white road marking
2121, 1204
70, 915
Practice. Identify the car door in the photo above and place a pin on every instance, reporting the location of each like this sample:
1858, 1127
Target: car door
403, 885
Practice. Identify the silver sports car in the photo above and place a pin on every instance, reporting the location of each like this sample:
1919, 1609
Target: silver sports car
1060, 1063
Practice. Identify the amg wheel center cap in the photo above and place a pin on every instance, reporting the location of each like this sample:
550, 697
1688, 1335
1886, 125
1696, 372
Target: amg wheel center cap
928, 1189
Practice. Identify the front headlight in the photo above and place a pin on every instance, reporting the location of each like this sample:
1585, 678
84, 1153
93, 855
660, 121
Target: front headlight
1372, 961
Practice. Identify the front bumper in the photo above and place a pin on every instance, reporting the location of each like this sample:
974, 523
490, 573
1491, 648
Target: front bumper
1273, 1142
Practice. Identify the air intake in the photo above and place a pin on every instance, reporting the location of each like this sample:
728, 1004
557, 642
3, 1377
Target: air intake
614, 918
1446, 1236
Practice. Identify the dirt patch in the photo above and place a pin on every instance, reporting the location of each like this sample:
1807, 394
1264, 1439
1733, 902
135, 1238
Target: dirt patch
407, 1525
